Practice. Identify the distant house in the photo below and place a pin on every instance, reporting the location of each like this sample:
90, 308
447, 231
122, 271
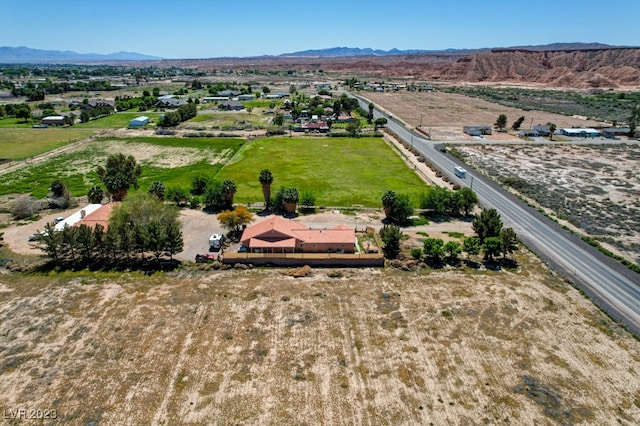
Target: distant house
139, 121
208, 99
312, 127
53, 120
170, 102
90, 215
614, 132
278, 235
580, 132
96, 103
528, 133
477, 130
231, 106
248, 97
542, 129
275, 95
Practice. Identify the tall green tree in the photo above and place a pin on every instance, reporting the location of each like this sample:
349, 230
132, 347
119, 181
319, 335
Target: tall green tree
509, 241
453, 249
391, 236
501, 122
472, 246
388, 201
266, 179
468, 200
487, 224
516, 124
229, 188
552, 129
120, 173
491, 246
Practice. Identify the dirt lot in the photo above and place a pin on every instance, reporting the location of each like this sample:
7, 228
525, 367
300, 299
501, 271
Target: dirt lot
445, 114
593, 188
364, 347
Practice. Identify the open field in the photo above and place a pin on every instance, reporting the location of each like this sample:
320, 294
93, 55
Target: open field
365, 347
19, 144
174, 161
339, 171
447, 113
595, 188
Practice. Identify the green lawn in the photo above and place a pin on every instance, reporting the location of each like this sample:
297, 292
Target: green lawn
19, 144
10, 122
339, 171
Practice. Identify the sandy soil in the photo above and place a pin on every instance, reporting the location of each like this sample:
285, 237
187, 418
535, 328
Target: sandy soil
365, 347
445, 114
594, 189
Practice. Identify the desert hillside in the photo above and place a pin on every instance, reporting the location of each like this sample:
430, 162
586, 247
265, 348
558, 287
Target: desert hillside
582, 69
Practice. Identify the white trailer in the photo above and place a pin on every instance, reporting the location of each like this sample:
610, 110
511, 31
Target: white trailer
215, 241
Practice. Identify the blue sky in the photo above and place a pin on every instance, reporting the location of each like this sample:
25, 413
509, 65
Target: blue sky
210, 28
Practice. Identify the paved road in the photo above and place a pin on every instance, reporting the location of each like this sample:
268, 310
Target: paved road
610, 284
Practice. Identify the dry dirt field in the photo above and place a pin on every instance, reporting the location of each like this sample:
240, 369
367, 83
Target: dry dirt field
447, 113
594, 188
341, 346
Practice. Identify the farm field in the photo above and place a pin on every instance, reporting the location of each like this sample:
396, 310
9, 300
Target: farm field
19, 144
339, 346
174, 161
339, 171
117, 120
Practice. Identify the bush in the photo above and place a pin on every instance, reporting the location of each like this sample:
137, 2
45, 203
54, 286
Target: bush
416, 253
26, 207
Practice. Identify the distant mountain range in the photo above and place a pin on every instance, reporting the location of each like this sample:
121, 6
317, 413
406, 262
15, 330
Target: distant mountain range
356, 51
22, 54
17, 55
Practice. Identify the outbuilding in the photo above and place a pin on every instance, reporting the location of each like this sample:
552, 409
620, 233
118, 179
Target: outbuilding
139, 121
53, 120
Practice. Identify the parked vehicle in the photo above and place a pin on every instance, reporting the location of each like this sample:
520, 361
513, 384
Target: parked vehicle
205, 257
216, 241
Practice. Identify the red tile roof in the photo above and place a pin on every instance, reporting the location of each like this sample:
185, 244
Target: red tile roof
100, 216
278, 232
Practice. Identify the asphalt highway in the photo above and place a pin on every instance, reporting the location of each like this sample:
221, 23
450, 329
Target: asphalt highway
612, 286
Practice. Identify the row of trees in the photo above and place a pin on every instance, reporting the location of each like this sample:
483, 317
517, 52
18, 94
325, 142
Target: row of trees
139, 226
440, 201
491, 240
444, 201
183, 113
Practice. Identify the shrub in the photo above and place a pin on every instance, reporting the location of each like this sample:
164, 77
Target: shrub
416, 253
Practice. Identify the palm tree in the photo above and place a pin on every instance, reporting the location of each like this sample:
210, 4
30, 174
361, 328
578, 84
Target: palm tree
552, 129
388, 201
290, 198
229, 188
266, 179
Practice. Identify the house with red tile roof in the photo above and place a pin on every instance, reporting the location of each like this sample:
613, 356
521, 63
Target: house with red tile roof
278, 235
99, 216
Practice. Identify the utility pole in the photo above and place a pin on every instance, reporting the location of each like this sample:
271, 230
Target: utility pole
420, 126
